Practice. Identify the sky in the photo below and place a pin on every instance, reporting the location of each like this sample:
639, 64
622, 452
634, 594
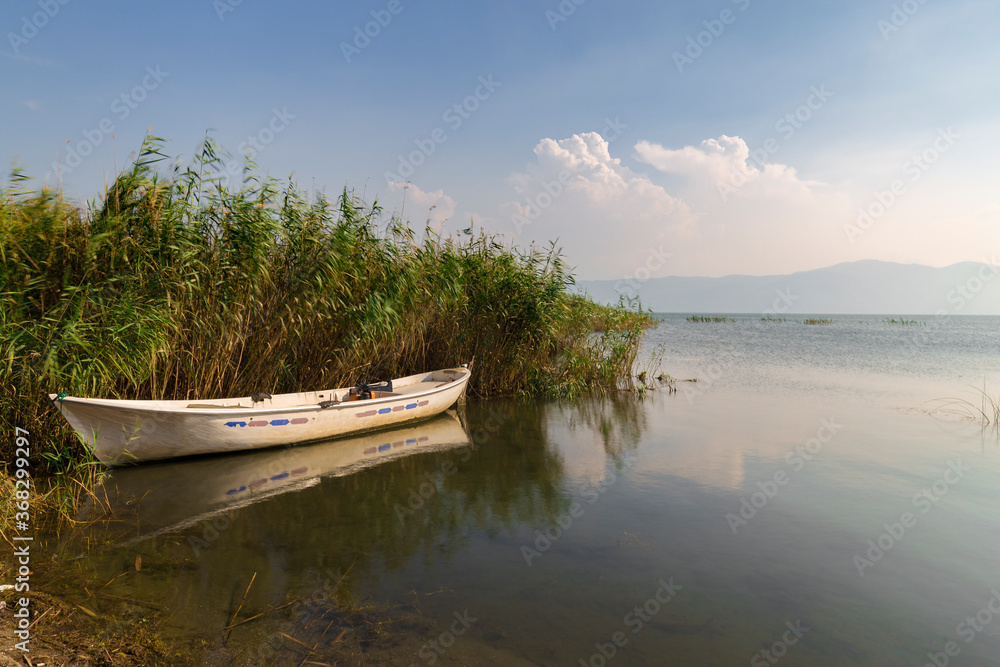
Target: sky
644, 138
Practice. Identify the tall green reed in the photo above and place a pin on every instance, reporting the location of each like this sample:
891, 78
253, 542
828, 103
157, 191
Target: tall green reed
176, 284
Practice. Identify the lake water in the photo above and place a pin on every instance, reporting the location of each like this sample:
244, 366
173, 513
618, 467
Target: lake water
769, 513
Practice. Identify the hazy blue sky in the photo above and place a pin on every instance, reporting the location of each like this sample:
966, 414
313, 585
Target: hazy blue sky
735, 136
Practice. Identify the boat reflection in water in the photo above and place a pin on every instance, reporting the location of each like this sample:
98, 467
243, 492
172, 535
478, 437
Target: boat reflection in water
372, 517
170, 497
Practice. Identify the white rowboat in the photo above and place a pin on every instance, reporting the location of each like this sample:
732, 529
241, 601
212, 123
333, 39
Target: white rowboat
120, 432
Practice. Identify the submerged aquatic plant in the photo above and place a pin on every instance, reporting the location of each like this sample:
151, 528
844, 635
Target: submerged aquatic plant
983, 409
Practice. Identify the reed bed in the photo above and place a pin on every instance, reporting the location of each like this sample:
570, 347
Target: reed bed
175, 285
709, 318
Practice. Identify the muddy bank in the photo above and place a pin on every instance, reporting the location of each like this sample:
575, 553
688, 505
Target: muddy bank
66, 633
95, 629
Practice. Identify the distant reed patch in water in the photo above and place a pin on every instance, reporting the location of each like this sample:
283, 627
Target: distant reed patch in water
905, 323
710, 318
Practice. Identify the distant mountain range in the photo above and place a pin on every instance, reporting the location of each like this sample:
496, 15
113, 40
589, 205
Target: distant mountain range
867, 287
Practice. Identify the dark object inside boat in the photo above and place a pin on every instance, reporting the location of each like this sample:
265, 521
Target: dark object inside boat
365, 391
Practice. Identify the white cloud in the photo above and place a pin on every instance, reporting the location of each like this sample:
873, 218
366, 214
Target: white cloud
577, 193
753, 216
714, 158
583, 165
726, 166
730, 210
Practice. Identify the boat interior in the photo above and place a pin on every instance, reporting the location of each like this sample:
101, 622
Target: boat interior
413, 384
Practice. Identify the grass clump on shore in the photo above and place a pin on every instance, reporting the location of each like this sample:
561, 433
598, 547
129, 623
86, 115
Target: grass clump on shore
815, 320
177, 285
707, 318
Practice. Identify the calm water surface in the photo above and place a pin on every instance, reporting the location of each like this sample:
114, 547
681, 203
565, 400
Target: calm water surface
768, 513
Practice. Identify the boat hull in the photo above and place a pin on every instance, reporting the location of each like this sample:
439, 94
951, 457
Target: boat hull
122, 432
